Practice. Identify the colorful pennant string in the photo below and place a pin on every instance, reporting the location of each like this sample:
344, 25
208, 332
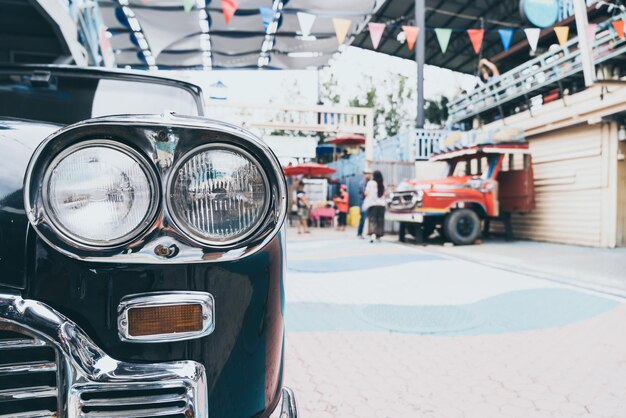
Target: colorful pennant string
306, 21
443, 38
341, 28
376, 32
229, 7
506, 36
188, 5
476, 38
411, 32
618, 25
267, 15
562, 33
532, 34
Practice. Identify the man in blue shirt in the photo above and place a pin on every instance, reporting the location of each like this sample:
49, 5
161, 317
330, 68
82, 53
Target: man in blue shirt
367, 176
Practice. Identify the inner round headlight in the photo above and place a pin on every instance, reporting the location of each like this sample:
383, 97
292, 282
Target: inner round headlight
100, 193
219, 195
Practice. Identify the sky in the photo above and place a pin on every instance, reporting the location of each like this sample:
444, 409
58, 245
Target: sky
351, 70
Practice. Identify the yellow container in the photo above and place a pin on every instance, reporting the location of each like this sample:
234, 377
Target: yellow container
354, 216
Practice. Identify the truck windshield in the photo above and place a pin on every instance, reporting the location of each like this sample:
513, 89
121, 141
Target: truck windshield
66, 99
478, 166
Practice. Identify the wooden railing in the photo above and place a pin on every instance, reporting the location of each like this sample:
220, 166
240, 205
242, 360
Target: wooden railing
270, 118
294, 118
546, 69
427, 142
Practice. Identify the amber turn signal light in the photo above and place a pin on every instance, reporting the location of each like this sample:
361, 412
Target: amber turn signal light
165, 316
158, 320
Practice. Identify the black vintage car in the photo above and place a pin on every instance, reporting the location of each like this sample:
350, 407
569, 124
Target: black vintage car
141, 256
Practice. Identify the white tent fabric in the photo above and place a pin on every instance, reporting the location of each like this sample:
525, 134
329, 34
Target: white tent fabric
292, 44
235, 45
157, 26
246, 23
243, 61
177, 59
195, 39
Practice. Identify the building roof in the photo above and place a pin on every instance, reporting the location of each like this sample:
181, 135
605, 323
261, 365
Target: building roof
161, 33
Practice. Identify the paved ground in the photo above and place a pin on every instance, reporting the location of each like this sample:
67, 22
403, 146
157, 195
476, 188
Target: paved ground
386, 330
599, 269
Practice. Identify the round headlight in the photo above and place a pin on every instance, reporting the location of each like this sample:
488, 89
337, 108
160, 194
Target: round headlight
100, 193
219, 195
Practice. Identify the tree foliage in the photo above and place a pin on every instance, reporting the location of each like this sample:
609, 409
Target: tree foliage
392, 102
436, 111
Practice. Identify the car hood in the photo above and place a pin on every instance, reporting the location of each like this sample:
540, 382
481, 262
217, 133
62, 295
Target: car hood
18, 141
448, 182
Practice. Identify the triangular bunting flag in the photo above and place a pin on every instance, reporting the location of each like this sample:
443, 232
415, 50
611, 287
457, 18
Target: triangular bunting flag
306, 21
443, 37
376, 32
411, 32
229, 7
267, 14
618, 25
591, 34
532, 34
476, 37
562, 33
188, 5
341, 28
506, 36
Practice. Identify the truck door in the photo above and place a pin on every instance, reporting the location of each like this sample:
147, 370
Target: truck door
516, 184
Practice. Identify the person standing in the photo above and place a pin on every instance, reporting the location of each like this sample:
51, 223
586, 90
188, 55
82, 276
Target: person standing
374, 203
303, 210
341, 202
367, 176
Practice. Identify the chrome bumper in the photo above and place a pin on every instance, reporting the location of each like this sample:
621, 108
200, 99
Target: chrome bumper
288, 407
413, 217
87, 377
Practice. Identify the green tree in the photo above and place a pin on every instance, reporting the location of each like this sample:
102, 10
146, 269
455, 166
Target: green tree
329, 91
436, 112
396, 116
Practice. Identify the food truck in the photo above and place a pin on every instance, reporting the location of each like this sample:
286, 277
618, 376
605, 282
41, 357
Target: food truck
489, 176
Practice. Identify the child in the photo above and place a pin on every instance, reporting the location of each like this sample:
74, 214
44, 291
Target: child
341, 202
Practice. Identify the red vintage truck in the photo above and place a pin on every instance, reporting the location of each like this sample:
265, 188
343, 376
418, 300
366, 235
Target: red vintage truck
487, 179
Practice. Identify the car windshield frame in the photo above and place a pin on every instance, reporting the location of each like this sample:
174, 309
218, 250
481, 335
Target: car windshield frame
105, 74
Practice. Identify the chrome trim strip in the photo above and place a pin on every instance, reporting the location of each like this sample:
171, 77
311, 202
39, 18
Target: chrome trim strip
85, 367
134, 400
32, 414
137, 413
20, 343
31, 367
33, 392
288, 407
145, 300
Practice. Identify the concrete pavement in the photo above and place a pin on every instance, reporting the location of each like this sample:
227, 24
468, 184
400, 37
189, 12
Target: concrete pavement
599, 269
386, 330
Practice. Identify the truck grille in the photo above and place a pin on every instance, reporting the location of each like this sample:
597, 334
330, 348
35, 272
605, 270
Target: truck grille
134, 403
28, 377
403, 201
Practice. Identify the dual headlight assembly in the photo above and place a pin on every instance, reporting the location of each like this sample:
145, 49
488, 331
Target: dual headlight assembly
215, 188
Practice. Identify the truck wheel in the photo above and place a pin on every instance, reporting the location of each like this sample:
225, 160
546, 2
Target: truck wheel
462, 226
402, 232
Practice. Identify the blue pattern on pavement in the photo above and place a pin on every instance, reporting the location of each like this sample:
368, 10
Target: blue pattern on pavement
509, 312
354, 263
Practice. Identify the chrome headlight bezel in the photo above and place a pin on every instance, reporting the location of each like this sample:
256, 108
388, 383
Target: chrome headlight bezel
153, 182
181, 224
162, 141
